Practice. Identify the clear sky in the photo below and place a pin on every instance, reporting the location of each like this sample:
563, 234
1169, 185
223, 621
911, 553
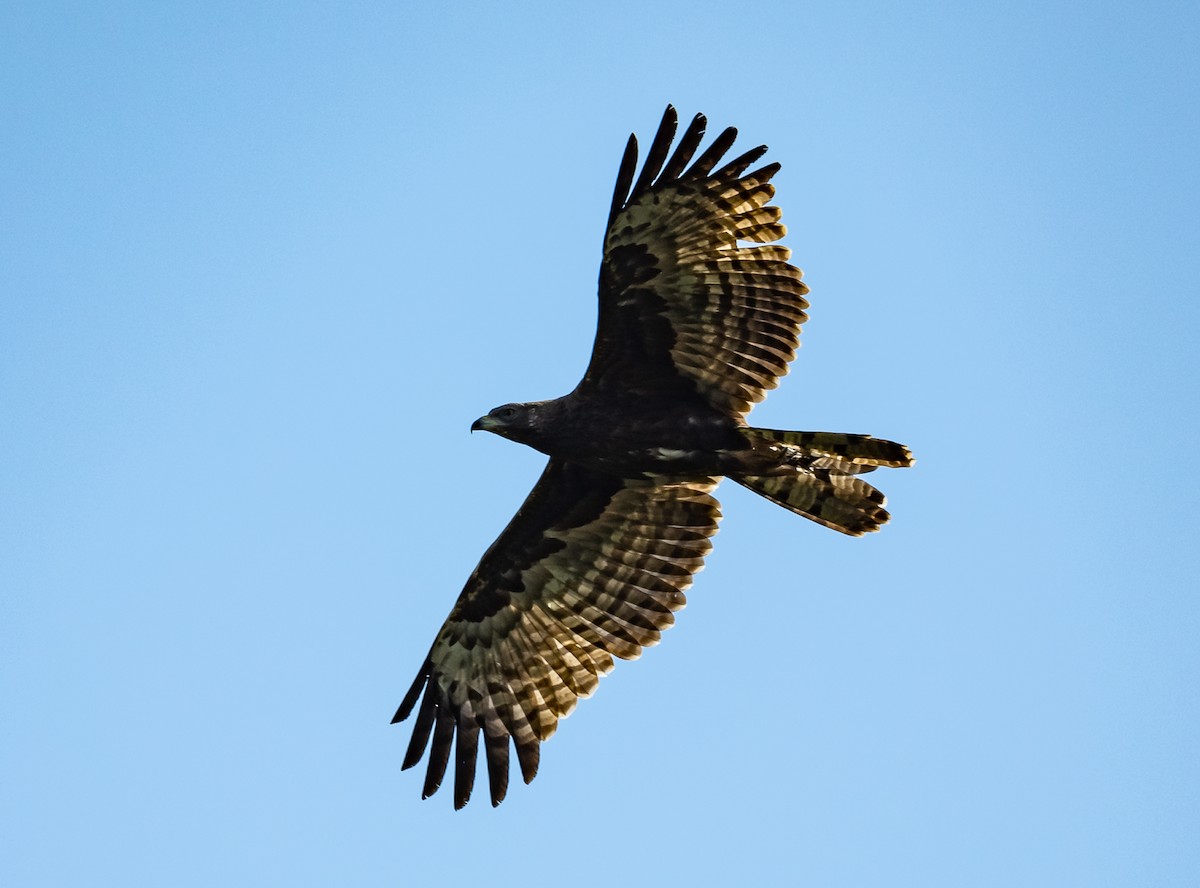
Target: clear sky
262, 265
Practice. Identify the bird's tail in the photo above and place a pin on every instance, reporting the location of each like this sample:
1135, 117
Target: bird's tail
816, 476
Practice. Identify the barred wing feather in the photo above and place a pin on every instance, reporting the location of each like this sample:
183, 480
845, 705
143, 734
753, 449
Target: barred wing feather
591, 567
694, 294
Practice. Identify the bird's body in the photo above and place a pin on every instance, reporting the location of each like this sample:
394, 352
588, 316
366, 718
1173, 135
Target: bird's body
668, 437
700, 314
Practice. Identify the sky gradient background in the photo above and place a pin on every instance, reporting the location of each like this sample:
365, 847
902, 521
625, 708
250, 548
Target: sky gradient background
261, 268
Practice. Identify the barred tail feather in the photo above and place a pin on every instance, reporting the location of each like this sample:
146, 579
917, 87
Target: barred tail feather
815, 476
858, 450
836, 500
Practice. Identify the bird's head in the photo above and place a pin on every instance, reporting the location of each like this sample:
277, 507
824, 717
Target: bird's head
517, 422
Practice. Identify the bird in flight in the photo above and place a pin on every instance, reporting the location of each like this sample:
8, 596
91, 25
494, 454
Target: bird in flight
700, 314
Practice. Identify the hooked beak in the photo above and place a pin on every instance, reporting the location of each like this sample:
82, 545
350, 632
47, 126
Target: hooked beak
483, 424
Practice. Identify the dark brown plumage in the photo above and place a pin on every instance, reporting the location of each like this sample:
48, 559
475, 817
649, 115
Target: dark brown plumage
700, 314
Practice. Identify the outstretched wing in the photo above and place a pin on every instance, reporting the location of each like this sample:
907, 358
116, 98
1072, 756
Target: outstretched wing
591, 567
694, 296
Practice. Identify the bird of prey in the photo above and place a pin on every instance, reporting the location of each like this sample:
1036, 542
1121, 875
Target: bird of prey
699, 316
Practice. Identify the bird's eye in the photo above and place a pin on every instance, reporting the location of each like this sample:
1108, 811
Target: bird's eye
506, 412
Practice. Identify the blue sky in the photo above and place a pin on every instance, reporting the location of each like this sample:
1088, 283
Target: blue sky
260, 268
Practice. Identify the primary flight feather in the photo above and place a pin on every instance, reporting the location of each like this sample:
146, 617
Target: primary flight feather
700, 315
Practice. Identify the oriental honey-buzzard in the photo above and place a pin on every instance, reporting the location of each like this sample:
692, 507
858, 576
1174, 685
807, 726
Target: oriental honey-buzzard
700, 315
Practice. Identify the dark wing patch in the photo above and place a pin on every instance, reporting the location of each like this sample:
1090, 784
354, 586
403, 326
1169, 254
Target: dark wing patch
591, 567
693, 294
